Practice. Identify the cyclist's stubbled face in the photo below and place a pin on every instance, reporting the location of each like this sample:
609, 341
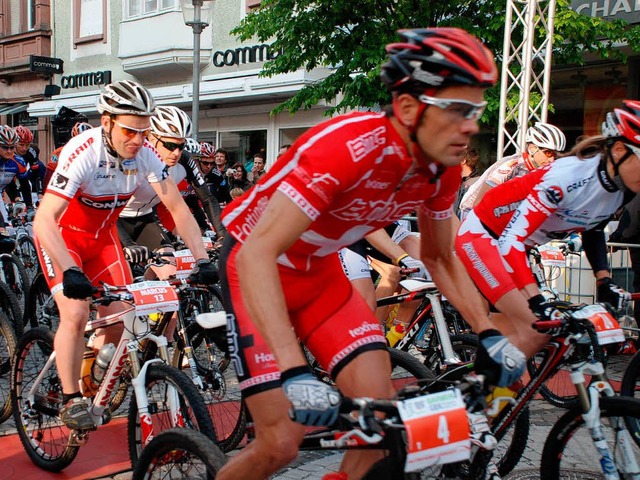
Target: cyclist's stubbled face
629, 170
21, 148
443, 134
128, 133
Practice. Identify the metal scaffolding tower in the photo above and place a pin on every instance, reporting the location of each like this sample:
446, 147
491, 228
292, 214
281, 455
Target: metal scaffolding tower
526, 70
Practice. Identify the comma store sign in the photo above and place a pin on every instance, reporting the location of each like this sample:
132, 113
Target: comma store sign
242, 55
628, 10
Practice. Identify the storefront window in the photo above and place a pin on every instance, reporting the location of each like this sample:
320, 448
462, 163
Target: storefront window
289, 135
243, 145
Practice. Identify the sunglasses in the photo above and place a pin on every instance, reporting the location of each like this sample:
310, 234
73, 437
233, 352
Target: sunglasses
545, 151
171, 146
131, 132
460, 108
8, 147
207, 164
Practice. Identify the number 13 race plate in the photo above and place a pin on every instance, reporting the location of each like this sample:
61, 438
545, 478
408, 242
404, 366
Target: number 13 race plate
437, 429
153, 297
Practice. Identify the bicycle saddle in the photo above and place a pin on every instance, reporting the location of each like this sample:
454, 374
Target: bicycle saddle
7, 244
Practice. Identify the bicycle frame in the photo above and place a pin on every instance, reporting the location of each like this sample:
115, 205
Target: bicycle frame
430, 309
127, 349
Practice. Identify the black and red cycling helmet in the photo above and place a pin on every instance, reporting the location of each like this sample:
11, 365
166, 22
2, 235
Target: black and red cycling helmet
624, 124
428, 58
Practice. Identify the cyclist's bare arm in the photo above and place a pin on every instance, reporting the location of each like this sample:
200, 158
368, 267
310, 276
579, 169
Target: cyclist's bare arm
381, 241
449, 275
279, 227
45, 226
186, 225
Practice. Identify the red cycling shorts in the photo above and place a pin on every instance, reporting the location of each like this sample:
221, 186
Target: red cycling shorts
101, 259
331, 318
478, 251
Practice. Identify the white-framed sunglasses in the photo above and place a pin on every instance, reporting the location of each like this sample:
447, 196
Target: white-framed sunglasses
463, 108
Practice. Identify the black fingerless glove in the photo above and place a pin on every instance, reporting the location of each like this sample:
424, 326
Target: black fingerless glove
609, 292
204, 273
75, 284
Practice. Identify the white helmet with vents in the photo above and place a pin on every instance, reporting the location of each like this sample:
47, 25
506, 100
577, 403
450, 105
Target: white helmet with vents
193, 147
125, 97
171, 122
545, 135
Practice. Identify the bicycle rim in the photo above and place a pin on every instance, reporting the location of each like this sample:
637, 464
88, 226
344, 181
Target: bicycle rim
7, 352
631, 388
569, 452
43, 436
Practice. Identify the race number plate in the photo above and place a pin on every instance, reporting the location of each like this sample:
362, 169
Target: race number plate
153, 296
608, 329
184, 263
551, 256
208, 243
437, 428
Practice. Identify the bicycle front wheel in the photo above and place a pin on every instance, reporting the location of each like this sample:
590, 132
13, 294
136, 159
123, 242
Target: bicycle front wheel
43, 435
13, 273
179, 453
631, 388
569, 451
7, 352
162, 384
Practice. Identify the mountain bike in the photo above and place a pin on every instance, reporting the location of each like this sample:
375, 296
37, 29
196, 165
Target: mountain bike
436, 329
7, 354
179, 453
163, 396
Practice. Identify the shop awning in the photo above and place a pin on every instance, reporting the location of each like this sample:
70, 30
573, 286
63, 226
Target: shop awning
12, 109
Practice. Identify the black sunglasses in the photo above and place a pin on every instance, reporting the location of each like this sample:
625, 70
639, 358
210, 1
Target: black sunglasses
171, 146
208, 164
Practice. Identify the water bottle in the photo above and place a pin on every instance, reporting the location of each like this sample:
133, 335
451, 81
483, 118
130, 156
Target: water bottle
101, 364
395, 333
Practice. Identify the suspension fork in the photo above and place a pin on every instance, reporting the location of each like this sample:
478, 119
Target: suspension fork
448, 355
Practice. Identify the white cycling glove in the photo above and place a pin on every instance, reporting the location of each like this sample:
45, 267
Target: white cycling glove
409, 262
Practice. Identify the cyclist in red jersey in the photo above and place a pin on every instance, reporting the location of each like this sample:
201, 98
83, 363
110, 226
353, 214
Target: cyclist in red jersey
77, 129
341, 180
75, 226
579, 193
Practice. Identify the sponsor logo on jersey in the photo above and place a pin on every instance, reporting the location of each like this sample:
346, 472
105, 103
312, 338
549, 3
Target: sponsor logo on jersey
376, 185
251, 219
106, 204
578, 184
554, 194
59, 181
322, 179
479, 265
48, 265
104, 176
364, 329
378, 210
105, 163
69, 160
130, 167
505, 209
360, 147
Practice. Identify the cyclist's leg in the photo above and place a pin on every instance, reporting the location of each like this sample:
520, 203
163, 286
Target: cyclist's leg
357, 270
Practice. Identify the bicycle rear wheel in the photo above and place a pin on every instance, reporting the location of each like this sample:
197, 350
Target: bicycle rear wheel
13, 273
161, 382
569, 451
28, 255
179, 453
44, 437
7, 353
42, 309
631, 388
10, 306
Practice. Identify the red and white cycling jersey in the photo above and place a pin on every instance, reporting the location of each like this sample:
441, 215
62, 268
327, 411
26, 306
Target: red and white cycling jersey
351, 175
566, 196
97, 184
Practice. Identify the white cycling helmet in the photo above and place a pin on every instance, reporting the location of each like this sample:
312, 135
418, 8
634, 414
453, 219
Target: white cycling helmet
171, 122
125, 97
193, 147
545, 135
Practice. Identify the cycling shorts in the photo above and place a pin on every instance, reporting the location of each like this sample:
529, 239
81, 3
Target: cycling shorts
101, 259
477, 249
144, 230
354, 265
327, 314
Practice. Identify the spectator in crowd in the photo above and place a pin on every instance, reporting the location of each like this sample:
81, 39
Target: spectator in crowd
470, 174
239, 178
283, 149
236, 192
258, 168
216, 177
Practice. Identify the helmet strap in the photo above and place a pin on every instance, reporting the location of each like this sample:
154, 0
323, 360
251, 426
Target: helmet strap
528, 159
108, 143
616, 166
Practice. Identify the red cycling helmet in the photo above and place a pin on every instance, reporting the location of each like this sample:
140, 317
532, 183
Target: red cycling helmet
208, 150
80, 127
24, 134
624, 124
431, 58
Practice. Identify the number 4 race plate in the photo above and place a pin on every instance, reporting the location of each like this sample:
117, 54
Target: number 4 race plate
153, 297
437, 430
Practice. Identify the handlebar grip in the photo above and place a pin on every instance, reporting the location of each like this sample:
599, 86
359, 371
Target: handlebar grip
408, 271
545, 325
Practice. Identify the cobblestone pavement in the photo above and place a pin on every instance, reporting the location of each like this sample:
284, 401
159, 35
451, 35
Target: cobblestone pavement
313, 465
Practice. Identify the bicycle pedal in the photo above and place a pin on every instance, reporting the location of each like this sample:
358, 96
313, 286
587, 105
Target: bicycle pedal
78, 438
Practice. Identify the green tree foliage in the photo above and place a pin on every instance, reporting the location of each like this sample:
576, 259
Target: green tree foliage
348, 36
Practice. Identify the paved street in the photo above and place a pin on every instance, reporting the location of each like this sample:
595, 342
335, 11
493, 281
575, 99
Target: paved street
313, 465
